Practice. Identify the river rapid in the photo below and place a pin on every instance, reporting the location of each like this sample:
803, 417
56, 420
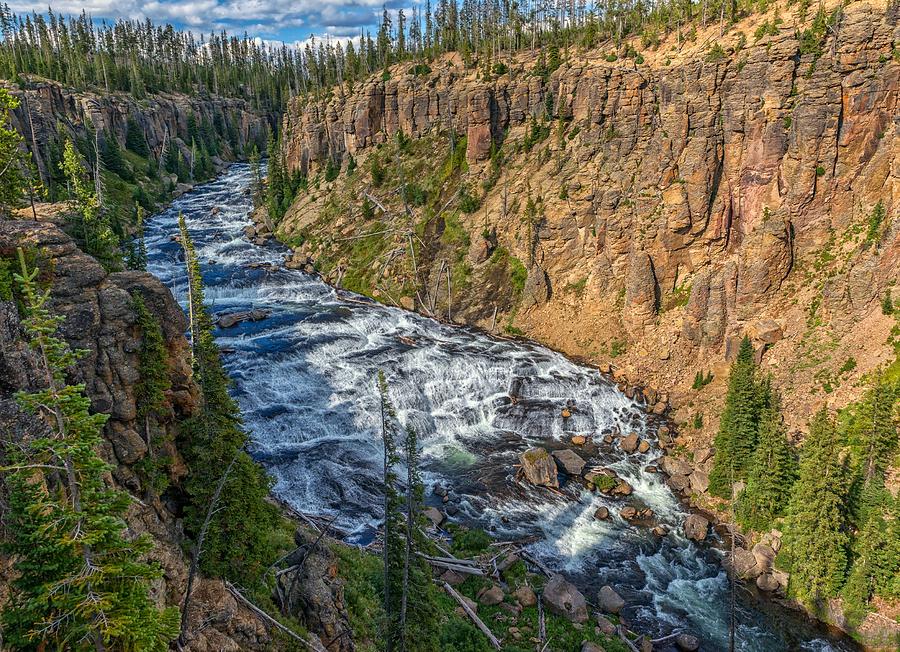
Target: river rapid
305, 379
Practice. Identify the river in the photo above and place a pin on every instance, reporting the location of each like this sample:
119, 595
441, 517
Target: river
305, 378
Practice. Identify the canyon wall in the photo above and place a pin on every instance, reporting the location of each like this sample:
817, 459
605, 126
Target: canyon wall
100, 320
685, 200
47, 109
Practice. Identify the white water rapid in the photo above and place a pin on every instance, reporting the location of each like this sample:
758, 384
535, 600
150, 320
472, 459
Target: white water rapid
305, 378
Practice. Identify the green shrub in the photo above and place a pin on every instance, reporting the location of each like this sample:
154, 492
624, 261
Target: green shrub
701, 381
467, 543
715, 53
420, 69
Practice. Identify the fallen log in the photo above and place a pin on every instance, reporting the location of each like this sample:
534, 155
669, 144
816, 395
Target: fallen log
665, 639
472, 615
466, 570
315, 644
621, 632
536, 562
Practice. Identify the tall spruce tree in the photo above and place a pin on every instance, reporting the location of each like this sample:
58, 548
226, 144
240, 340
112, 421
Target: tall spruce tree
394, 543
81, 583
90, 226
738, 427
150, 390
410, 603
13, 162
772, 472
239, 542
816, 540
875, 568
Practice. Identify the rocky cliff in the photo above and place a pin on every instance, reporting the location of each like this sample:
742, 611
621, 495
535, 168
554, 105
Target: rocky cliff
48, 110
100, 321
674, 201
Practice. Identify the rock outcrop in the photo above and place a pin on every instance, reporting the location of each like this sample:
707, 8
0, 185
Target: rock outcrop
100, 321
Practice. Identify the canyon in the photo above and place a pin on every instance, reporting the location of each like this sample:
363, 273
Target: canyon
678, 203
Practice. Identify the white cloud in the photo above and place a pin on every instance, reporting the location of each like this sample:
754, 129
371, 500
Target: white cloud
268, 19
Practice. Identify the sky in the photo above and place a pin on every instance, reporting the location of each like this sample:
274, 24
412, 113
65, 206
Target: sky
290, 21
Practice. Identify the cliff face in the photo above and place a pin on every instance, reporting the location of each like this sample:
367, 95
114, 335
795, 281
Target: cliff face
682, 202
100, 320
46, 108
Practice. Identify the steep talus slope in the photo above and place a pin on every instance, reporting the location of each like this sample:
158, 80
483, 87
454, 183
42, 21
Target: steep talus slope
677, 203
100, 320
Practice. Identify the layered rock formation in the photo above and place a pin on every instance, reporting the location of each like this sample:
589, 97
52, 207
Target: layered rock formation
101, 322
685, 199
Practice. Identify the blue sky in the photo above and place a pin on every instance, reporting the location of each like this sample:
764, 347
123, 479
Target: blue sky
277, 20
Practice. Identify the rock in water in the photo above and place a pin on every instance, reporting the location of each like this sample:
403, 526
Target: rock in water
235, 318
695, 527
609, 601
687, 642
539, 468
601, 514
563, 599
629, 444
434, 515
570, 461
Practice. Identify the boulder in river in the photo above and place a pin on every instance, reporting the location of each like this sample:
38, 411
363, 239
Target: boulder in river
629, 513
601, 514
644, 446
609, 601
687, 642
629, 444
235, 318
696, 527
570, 461
539, 467
622, 488
578, 440
434, 515
563, 599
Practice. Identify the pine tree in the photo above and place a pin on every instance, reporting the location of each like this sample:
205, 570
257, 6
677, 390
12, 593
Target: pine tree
873, 429
239, 542
875, 568
135, 140
772, 472
80, 582
815, 534
410, 607
136, 251
738, 427
150, 390
394, 543
90, 227
12, 159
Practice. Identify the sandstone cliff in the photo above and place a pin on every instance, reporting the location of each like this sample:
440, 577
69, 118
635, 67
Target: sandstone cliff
682, 201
